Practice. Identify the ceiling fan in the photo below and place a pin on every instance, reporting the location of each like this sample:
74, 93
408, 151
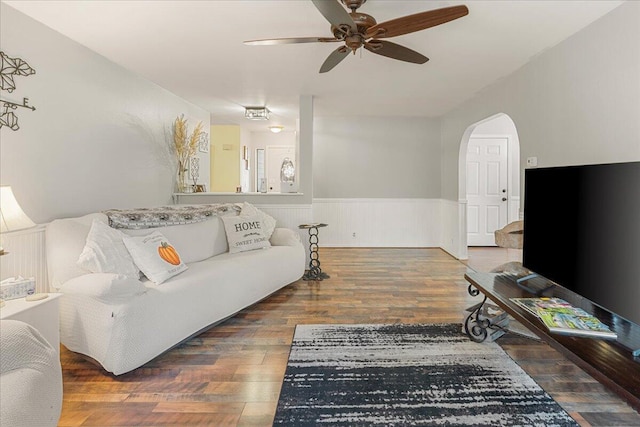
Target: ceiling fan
357, 29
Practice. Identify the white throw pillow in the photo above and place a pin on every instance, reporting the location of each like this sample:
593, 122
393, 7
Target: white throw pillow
155, 256
194, 242
104, 252
268, 222
244, 233
108, 287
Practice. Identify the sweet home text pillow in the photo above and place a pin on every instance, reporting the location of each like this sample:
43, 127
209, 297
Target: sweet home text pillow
244, 233
268, 222
154, 256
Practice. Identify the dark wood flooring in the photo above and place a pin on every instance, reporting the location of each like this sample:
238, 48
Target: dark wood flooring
231, 374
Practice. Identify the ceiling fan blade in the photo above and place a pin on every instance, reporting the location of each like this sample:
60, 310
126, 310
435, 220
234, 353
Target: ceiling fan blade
395, 51
291, 40
334, 59
419, 21
335, 14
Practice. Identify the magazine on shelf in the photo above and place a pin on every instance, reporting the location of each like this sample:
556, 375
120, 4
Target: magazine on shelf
563, 318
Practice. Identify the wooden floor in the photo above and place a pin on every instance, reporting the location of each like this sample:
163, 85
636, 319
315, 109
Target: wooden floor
231, 374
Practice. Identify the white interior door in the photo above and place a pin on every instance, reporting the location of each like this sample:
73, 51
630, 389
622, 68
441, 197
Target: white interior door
275, 156
487, 195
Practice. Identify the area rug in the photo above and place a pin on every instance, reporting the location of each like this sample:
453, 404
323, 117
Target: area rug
407, 375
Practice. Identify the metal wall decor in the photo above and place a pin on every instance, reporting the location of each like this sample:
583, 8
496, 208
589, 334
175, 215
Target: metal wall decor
9, 68
203, 142
194, 166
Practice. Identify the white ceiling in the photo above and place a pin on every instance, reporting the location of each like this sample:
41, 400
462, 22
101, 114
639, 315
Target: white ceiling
195, 50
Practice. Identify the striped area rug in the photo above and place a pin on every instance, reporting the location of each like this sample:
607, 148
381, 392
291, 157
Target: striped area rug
407, 375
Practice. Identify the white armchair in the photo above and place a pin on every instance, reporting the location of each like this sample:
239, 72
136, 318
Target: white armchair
30, 377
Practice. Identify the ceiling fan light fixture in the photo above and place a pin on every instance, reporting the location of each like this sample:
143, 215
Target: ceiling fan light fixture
256, 113
276, 129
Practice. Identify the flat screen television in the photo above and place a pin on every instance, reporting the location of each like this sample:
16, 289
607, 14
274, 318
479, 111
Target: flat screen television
582, 231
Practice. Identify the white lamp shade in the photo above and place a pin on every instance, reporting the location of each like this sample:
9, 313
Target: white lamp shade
12, 217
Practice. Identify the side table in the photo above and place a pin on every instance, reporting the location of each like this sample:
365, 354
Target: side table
42, 315
314, 272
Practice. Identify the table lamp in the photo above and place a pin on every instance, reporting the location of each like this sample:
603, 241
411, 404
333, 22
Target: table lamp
12, 217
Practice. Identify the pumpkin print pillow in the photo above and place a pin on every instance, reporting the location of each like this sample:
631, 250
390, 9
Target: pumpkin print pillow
154, 256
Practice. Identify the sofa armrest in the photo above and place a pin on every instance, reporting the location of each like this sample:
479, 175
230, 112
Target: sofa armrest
30, 377
284, 237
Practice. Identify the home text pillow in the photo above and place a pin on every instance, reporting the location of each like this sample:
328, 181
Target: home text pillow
268, 222
154, 256
104, 252
244, 233
107, 287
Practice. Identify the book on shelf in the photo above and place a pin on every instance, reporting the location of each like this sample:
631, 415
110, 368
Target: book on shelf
563, 318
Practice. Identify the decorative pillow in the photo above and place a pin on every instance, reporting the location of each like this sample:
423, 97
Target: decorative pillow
194, 242
244, 233
104, 252
268, 222
107, 287
155, 256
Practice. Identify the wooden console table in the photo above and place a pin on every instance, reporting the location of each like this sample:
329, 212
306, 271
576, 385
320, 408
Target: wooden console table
607, 361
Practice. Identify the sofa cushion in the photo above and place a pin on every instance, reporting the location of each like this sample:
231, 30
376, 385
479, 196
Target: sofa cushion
244, 233
268, 222
155, 256
194, 242
107, 287
104, 252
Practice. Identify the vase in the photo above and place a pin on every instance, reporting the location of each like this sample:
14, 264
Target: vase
182, 178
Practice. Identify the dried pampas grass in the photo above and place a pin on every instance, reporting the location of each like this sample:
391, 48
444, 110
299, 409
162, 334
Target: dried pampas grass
184, 145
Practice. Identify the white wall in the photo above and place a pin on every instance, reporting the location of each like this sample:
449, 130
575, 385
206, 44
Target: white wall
376, 157
577, 103
100, 136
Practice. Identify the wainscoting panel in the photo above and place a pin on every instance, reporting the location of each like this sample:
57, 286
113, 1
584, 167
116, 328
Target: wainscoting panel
26, 256
379, 222
291, 216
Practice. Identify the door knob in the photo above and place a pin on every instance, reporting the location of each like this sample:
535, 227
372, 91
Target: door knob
504, 199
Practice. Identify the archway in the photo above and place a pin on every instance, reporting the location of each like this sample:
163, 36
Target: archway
498, 125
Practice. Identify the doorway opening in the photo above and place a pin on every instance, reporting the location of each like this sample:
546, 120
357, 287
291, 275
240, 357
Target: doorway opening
488, 180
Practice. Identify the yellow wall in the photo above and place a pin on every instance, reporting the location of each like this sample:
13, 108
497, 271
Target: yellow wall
225, 158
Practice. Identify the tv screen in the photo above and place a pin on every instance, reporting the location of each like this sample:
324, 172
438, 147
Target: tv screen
582, 231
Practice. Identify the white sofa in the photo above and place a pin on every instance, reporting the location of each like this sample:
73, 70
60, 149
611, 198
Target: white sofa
30, 377
123, 327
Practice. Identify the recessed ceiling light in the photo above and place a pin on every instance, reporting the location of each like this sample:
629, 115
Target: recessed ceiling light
276, 129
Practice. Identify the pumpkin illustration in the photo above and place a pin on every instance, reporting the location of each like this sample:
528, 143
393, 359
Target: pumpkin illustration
168, 253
